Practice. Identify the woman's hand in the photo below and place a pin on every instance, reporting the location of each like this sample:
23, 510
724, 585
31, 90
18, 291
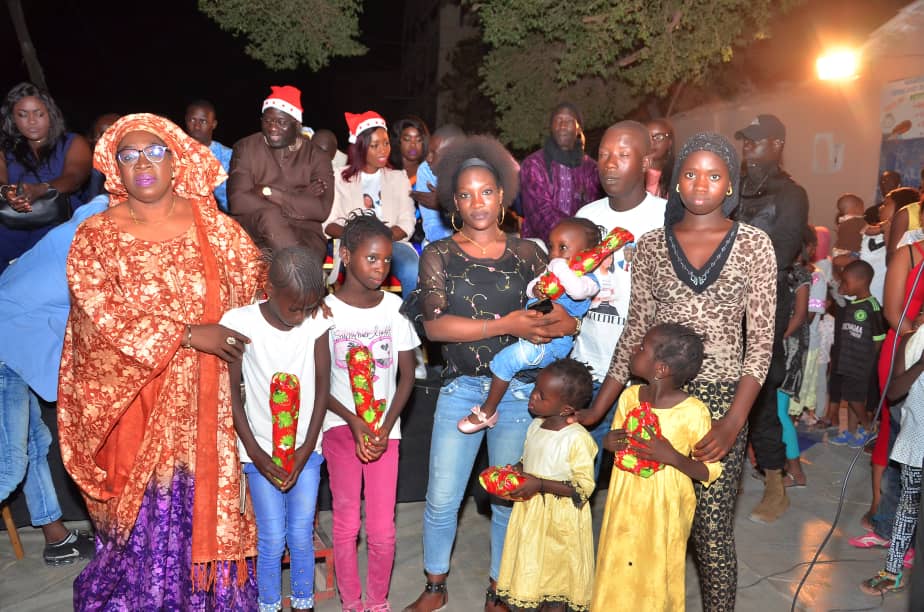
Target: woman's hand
616, 440
20, 202
364, 439
529, 325
216, 339
272, 472
561, 323
717, 442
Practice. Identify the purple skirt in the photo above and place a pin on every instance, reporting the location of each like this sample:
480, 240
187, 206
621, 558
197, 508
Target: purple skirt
152, 571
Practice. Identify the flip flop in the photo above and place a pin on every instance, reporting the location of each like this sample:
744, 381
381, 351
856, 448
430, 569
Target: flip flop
789, 481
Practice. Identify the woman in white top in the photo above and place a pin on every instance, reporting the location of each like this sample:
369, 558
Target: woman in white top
367, 182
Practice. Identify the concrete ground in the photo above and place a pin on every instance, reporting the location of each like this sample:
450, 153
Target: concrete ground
771, 558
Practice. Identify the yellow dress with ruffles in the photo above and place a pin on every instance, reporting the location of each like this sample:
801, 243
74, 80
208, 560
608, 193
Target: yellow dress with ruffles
549, 551
641, 557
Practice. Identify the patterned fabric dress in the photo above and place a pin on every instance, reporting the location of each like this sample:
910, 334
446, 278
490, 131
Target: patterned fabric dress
146, 427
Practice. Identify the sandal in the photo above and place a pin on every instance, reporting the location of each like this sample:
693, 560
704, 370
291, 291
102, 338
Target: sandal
883, 582
790, 482
431, 588
823, 425
484, 421
493, 603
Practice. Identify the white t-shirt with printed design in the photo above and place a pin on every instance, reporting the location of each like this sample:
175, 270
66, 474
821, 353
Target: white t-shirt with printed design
382, 329
604, 323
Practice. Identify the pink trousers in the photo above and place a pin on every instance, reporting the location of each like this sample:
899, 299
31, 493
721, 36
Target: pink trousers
347, 475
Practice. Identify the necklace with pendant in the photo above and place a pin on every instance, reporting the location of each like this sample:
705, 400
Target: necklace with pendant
484, 250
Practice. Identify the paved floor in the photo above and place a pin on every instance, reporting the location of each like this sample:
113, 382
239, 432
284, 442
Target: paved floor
768, 555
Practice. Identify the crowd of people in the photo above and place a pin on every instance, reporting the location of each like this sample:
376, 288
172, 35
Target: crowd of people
667, 304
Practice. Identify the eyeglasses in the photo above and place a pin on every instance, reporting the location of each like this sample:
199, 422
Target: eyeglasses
281, 122
153, 153
659, 136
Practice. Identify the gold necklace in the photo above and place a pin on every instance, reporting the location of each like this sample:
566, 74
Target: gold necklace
484, 250
131, 211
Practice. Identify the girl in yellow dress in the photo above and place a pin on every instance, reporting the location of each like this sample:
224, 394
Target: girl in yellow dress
641, 562
548, 558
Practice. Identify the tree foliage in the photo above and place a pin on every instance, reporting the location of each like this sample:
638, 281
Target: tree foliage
605, 55
285, 34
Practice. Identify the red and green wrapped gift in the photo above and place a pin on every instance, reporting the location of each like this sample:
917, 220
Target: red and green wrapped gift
638, 422
284, 394
361, 370
500, 480
586, 261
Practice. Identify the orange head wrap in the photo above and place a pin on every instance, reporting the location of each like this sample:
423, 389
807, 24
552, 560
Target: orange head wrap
196, 172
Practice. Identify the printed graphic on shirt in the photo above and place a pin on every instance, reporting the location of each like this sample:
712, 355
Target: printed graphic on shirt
377, 339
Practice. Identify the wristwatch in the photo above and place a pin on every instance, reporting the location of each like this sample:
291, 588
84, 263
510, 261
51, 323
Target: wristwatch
577, 321
267, 192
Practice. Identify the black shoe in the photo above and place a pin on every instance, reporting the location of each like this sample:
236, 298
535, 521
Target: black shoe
77, 545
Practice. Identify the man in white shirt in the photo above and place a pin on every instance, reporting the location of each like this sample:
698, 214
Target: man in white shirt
622, 162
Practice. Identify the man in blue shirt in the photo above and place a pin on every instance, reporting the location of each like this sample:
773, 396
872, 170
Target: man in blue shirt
200, 123
34, 306
424, 194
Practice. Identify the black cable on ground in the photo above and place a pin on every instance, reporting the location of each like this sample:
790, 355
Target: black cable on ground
853, 462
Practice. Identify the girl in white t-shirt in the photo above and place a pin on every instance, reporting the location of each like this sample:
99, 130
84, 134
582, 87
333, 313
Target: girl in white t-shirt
366, 316
286, 375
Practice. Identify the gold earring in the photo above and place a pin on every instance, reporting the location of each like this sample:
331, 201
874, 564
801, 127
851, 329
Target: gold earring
503, 213
452, 221
730, 191
677, 187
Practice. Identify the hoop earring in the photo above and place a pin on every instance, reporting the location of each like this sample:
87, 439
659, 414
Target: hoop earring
730, 191
452, 221
503, 213
677, 188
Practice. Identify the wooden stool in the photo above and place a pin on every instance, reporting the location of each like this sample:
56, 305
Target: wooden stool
14, 535
323, 550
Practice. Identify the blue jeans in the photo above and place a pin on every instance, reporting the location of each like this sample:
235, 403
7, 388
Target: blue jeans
524, 355
24, 442
434, 226
404, 265
285, 519
600, 431
452, 457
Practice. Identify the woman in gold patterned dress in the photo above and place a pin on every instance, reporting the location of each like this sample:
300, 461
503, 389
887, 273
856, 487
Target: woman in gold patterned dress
143, 404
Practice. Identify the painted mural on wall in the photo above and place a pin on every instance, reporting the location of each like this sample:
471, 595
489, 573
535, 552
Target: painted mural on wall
902, 125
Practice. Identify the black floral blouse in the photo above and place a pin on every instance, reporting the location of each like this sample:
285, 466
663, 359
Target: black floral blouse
453, 282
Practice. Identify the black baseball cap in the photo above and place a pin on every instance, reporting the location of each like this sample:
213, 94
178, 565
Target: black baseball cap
763, 126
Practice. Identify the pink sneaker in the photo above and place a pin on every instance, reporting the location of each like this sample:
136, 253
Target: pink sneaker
908, 561
868, 540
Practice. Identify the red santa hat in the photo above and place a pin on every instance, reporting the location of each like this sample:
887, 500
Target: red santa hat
360, 123
286, 98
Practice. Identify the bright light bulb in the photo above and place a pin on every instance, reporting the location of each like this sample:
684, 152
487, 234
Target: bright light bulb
837, 65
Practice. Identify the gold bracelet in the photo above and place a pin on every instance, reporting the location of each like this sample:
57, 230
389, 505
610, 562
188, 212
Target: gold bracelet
188, 341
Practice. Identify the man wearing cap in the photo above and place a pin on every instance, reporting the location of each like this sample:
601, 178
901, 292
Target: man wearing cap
772, 201
280, 187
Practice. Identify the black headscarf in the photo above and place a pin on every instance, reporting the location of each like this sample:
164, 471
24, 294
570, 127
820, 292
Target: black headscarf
714, 143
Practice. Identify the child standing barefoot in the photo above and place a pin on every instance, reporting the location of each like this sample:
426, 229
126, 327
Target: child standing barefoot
571, 236
359, 461
548, 561
641, 562
287, 336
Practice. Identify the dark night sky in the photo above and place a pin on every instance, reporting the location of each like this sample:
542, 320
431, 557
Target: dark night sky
108, 56
116, 56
